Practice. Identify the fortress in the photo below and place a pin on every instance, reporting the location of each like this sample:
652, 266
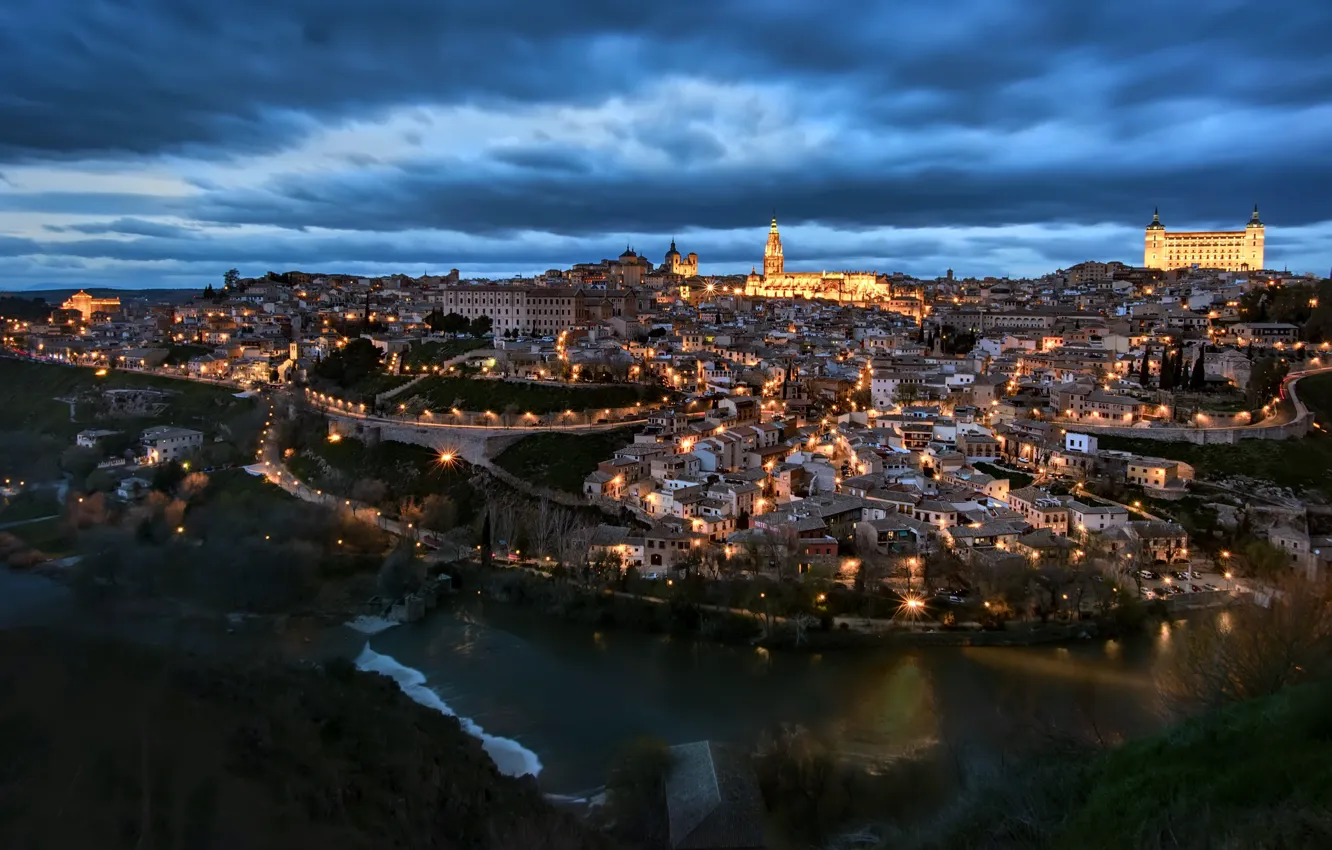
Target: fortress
1235, 251
776, 282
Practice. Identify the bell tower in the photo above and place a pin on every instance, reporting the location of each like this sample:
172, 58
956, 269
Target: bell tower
1153, 253
772, 252
1255, 237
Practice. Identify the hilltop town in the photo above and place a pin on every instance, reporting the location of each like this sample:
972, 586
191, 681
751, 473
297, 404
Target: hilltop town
860, 428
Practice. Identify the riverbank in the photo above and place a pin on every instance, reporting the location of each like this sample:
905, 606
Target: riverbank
679, 614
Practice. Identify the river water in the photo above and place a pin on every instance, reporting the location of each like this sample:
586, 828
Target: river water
559, 699
564, 697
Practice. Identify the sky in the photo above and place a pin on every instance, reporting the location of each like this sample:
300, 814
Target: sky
148, 143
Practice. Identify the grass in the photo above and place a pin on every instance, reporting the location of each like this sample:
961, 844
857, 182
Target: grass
408, 471
1211, 777
430, 353
562, 461
51, 536
482, 394
1016, 480
372, 385
28, 393
29, 504
1303, 465
239, 484
1257, 775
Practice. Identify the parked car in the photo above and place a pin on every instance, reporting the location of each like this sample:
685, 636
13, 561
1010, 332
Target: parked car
1146, 574
1195, 588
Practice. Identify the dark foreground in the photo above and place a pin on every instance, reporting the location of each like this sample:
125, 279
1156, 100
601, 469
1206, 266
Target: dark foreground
109, 745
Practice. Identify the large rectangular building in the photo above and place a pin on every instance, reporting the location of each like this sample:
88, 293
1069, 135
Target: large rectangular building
1235, 251
536, 309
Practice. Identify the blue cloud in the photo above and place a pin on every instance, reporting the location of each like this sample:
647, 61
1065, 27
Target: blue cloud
919, 117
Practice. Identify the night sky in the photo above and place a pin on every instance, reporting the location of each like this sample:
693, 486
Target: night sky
160, 142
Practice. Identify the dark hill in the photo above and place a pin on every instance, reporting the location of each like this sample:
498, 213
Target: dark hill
108, 746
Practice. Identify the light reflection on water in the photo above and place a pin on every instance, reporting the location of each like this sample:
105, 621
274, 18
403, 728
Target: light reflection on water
575, 694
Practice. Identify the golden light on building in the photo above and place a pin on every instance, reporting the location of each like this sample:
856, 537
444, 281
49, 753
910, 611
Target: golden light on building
1240, 250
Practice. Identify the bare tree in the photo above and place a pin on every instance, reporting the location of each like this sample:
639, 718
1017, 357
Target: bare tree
370, 491
574, 541
545, 526
1250, 650
802, 623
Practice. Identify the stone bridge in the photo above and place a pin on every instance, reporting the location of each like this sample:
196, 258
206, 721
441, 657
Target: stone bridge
476, 444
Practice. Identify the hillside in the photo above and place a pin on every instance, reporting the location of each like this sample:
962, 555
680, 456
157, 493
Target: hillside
101, 740
1256, 775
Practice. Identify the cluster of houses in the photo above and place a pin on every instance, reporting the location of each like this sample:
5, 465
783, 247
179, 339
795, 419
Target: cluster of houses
905, 415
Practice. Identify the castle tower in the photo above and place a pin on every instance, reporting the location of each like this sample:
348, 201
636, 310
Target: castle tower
772, 252
1154, 245
1254, 235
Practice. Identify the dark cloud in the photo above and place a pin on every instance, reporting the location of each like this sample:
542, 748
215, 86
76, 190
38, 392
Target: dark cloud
929, 116
147, 76
565, 201
127, 226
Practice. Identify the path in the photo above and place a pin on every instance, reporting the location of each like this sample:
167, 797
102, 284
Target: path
19, 522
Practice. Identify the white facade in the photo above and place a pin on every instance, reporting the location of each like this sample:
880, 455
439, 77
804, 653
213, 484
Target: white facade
1085, 443
165, 443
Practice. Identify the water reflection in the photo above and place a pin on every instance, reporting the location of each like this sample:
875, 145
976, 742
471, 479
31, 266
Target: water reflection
574, 695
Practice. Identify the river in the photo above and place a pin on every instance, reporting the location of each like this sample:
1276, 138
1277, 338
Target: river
560, 699
567, 696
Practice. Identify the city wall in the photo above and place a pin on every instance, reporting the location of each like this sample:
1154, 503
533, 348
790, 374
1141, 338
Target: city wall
1297, 427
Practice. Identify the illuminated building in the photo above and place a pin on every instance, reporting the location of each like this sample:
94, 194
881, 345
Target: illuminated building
1236, 251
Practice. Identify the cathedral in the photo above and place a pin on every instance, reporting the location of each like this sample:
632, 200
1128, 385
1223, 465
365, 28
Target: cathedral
674, 264
777, 282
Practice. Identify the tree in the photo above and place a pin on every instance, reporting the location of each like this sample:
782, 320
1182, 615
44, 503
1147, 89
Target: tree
1178, 379
1145, 376
100, 481
230, 278
1166, 380
480, 326
79, 462
1265, 379
369, 491
486, 543
1199, 378
435, 320
209, 294
1252, 650
351, 363
401, 573
167, 475
636, 793
1265, 560
906, 394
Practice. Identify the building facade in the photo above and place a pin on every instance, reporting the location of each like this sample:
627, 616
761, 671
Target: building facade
536, 309
776, 282
87, 304
683, 266
1235, 251
164, 443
